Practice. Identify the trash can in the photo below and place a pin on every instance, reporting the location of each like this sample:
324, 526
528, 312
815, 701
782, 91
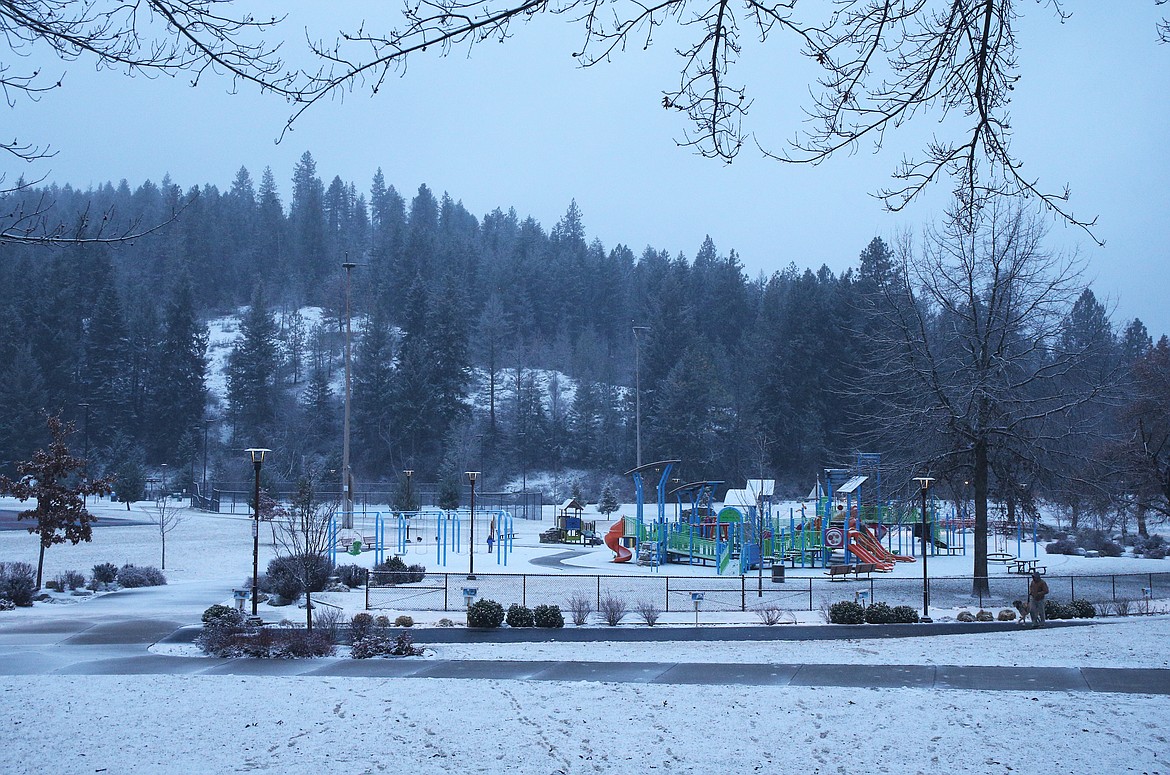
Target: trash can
778, 573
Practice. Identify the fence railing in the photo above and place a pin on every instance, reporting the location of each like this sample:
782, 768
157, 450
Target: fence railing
444, 591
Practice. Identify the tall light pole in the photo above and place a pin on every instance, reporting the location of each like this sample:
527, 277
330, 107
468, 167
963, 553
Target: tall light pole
206, 426
346, 478
924, 485
257, 454
409, 505
472, 475
638, 391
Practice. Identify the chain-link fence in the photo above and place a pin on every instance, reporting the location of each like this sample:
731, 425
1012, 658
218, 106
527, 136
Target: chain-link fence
444, 591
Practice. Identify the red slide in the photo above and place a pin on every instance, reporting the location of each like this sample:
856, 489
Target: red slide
613, 539
870, 542
865, 555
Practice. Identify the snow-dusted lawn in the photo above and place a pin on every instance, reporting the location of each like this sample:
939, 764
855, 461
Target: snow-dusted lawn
217, 724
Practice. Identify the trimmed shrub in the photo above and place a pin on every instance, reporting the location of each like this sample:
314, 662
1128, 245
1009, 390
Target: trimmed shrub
965, 616
548, 616
134, 576
351, 575
403, 621
1006, 615
1063, 546
879, 613
395, 571
1055, 610
18, 583
283, 576
105, 573
222, 614
1082, 609
360, 626
520, 616
382, 646
904, 614
285, 643
485, 613
846, 612
382, 622
984, 616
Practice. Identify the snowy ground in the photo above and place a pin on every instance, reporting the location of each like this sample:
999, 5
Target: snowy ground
212, 724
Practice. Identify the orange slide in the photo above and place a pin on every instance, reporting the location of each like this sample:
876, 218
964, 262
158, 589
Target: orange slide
613, 539
865, 555
870, 542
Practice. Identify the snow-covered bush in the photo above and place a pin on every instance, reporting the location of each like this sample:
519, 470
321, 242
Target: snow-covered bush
648, 611
18, 583
580, 606
284, 575
879, 613
133, 576
519, 616
612, 609
380, 645
1006, 615
360, 626
105, 573
965, 616
402, 621
6, 604
984, 616
846, 612
904, 614
396, 571
548, 616
1063, 546
351, 576
485, 613
1082, 609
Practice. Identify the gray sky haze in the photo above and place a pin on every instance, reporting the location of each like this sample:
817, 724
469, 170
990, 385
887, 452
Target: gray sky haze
521, 125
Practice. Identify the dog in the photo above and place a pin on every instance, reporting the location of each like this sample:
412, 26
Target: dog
1022, 607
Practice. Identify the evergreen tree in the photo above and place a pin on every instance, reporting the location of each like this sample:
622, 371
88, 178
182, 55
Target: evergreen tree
373, 385
178, 390
252, 369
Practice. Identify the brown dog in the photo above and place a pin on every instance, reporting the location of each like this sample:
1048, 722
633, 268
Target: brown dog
1022, 607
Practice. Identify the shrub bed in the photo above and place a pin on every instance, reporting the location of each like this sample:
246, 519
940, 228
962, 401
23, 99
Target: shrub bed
134, 576
485, 613
548, 616
520, 616
846, 612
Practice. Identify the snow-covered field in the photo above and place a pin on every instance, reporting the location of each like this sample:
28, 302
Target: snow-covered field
204, 723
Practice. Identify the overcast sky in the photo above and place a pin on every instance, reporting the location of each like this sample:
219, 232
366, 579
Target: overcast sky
520, 125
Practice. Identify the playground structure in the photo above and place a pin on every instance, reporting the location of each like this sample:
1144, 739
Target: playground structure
850, 523
426, 532
570, 527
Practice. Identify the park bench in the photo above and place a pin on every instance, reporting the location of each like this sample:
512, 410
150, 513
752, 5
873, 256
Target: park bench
863, 567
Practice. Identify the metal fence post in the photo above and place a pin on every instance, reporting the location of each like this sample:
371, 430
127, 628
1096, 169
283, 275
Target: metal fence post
446, 584
810, 594
599, 593
1114, 580
524, 590
1072, 580
668, 594
367, 589
742, 592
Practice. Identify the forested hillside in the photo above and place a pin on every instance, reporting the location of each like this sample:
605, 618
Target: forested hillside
491, 342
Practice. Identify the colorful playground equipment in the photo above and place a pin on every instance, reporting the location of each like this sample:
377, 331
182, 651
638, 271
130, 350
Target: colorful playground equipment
421, 532
613, 539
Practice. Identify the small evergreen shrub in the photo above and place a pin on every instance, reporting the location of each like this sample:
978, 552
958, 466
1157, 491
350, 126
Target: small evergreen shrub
612, 609
404, 621
351, 576
965, 616
283, 576
444, 622
846, 612
548, 616
879, 613
105, 573
485, 613
1082, 609
904, 614
395, 571
219, 612
18, 583
382, 622
520, 616
1063, 546
984, 616
380, 645
1006, 615
360, 626
134, 576
1055, 610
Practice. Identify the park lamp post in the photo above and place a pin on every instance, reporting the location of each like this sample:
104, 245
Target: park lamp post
85, 454
346, 477
923, 486
257, 454
409, 505
472, 476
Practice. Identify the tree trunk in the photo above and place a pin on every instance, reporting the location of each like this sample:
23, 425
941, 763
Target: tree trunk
308, 610
40, 566
164, 551
979, 585
1141, 522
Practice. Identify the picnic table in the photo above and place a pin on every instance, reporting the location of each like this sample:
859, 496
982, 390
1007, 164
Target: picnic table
1025, 567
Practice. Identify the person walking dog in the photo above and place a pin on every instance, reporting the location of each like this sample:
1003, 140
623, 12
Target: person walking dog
1037, 591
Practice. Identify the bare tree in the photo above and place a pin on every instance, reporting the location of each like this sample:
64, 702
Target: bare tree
303, 533
967, 366
166, 515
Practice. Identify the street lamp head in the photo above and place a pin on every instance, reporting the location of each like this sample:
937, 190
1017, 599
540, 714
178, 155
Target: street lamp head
472, 476
257, 453
348, 265
924, 482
